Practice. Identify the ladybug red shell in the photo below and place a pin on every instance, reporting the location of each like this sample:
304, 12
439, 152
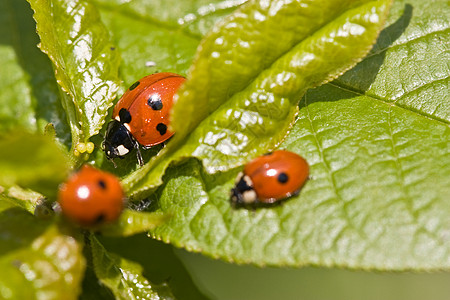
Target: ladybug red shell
269, 179
91, 197
141, 116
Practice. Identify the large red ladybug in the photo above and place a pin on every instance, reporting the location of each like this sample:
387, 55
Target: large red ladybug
141, 117
269, 179
91, 197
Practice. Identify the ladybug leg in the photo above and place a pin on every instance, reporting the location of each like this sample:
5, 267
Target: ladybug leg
138, 153
139, 157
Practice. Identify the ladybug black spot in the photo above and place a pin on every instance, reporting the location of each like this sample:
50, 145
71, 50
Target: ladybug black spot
134, 85
124, 115
100, 218
162, 128
102, 184
283, 178
155, 102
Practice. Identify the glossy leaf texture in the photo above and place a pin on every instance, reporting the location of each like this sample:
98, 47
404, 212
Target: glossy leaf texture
256, 119
378, 143
37, 260
123, 277
85, 61
49, 161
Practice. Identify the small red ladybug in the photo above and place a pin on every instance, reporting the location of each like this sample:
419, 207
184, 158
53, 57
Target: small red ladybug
91, 197
141, 117
269, 179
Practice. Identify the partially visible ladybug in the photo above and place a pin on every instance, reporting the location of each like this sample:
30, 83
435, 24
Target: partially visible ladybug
141, 117
91, 197
270, 178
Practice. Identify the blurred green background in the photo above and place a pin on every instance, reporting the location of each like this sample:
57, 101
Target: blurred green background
194, 276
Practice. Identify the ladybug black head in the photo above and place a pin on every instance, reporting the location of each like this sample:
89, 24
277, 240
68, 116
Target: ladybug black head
243, 193
118, 141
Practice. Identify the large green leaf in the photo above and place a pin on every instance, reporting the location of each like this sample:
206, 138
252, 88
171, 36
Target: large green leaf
124, 277
378, 142
38, 261
85, 61
256, 119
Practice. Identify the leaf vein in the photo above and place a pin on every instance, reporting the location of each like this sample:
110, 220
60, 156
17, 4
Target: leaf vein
413, 40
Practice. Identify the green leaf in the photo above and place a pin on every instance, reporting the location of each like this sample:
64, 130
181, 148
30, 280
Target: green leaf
257, 118
124, 277
39, 262
29, 96
380, 168
85, 61
19, 151
132, 222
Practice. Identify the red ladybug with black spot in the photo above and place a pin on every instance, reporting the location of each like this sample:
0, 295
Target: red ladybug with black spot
91, 197
141, 117
270, 178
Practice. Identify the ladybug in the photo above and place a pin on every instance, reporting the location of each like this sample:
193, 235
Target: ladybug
141, 116
270, 178
91, 197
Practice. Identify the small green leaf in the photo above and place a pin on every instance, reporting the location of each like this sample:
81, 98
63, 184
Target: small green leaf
19, 151
132, 222
85, 61
257, 118
48, 266
124, 277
